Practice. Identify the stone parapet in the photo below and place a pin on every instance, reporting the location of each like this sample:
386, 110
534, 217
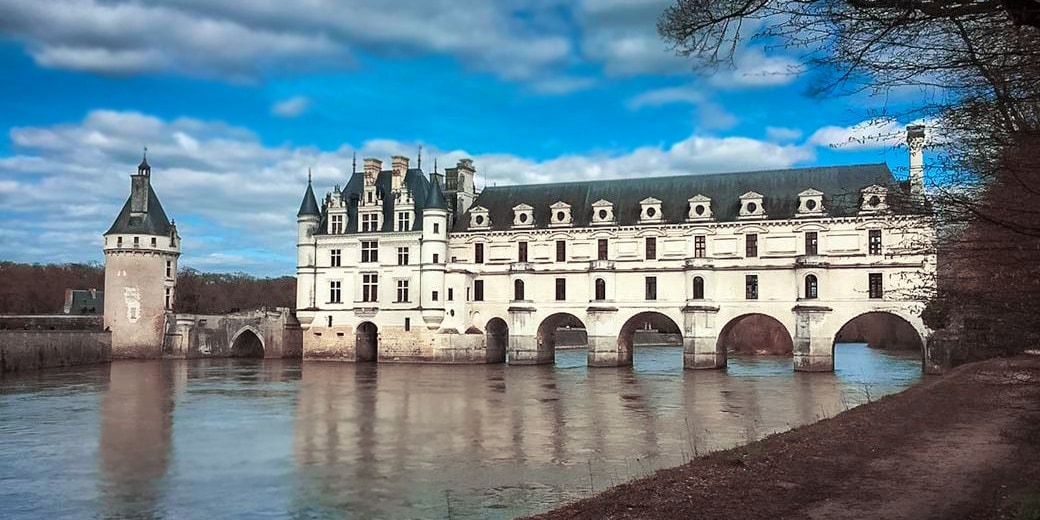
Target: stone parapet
36, 349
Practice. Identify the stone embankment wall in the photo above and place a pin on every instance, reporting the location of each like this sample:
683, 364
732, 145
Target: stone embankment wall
93, 322
35, 349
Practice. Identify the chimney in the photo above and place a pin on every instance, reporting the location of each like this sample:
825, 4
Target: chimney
139, 188
915, 143
400, 167
372, 168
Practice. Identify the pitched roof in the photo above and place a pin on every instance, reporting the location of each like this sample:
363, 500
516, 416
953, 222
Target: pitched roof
435, 199
353, 192
840, 185
154, 222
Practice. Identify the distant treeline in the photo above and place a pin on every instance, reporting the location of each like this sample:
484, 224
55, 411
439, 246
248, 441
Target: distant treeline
40, 289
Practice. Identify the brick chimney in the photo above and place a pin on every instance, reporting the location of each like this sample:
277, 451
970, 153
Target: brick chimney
915, 143
399, 165
372, 168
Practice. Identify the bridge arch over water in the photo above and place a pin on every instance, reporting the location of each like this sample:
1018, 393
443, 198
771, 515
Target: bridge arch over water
247, 343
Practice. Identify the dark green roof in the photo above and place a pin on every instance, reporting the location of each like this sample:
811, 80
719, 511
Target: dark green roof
841, 186
309, 206
154, 222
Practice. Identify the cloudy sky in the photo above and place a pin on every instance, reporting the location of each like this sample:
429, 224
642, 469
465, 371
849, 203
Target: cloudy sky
237, 100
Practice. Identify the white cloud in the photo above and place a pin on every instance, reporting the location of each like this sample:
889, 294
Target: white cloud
780, 134
752, 68
235, 199
292, 107
710, 115
866, 135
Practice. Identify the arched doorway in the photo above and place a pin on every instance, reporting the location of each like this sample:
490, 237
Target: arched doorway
367, 342
758, 334
564, 330
497, 339
247, 345
650, 330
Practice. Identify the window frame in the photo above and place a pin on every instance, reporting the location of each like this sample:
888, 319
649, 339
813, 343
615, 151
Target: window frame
876, 286
561, 250
874, 242
478, 290
812, 287
751, 288
335, 257
600, 289
812, 243
369, 251
651, 248
404, 254
561, 289
521, 251
698, 287
751, 245
650, 286
700, 246
370, 287
518, 290
478, 253
602, 249
402, 291
335, 291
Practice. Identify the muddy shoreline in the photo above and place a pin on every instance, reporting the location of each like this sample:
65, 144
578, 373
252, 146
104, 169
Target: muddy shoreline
965, 445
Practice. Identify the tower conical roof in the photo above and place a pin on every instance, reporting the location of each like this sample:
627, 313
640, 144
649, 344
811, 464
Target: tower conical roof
435, 199
309, 206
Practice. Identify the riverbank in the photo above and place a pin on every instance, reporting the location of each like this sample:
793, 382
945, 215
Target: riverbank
966, 445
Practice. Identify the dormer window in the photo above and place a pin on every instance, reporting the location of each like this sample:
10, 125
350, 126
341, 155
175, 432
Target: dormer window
810, 203
874, 199
700, 209
560, 215
479, 218
650, 211
602, 213
751, 206
523, 216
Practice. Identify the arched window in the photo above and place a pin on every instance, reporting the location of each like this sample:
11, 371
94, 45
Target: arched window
518, 290
698, 288
601, 289
811, 287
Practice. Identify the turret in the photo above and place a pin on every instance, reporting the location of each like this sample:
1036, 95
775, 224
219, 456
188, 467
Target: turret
141, 251
915, 143
434, 256
306, 223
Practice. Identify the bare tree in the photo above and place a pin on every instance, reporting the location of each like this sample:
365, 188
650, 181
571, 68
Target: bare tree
976, 64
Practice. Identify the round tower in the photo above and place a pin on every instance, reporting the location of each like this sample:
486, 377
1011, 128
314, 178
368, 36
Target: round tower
307, 220
434, 256
141, 250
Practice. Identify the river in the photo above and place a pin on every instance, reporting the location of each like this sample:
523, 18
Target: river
280, 439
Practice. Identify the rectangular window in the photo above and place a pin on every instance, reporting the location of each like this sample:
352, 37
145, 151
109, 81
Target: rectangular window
451, 294
153, 241
402, 256
651, 288
751, 241
335, 257
335, 296
436, 258
336, 224
407, 324
478, 253
137, 241
169, 293
435, 296
369, 251
402, 291
119, 241
602, 249
478, 290
436, 228
699, 249
561, 250
521, 251
876, 287
651, 248
812, 243
874, 241
369, 222
751, 286
169, 269
561, 289
369, 287
404, 221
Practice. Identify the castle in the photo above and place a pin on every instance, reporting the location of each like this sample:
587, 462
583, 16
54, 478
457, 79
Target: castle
400, 266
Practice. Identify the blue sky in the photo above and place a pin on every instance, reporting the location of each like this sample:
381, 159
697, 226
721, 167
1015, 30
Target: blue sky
237, 100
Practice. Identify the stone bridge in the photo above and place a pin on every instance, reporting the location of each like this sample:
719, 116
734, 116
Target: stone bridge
263, 333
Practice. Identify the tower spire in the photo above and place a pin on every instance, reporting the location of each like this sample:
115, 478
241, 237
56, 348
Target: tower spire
420, 158
308, 175
353, 168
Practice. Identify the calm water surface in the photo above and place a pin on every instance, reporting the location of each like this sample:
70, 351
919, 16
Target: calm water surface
234, 439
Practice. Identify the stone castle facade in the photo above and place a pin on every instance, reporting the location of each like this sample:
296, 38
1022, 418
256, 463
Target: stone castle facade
396, 265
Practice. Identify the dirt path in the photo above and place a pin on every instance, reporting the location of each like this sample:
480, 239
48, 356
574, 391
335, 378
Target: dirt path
966, 445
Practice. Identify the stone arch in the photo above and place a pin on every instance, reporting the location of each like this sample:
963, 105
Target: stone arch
882, 330
366, 342
756, 333
247, 343
545, 337
649, 320
496, 337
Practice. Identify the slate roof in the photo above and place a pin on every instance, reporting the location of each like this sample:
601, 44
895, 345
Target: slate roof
840, 185
414, 179
309, 206
154, 222
435, 199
